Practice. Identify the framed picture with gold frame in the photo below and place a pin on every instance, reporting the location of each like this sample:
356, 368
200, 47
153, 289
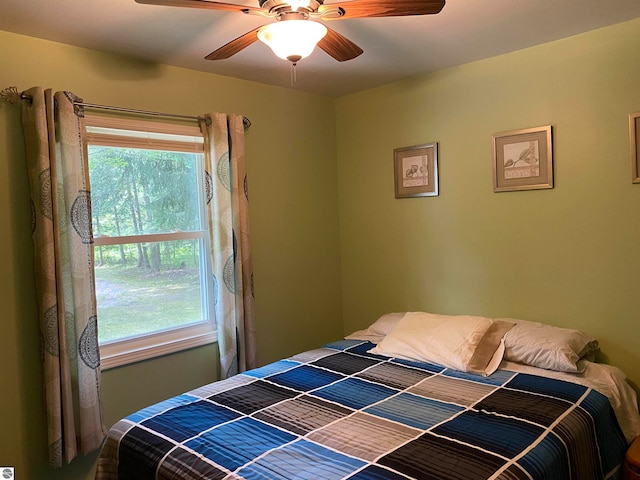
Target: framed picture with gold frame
523, 159
416, 171
634, 143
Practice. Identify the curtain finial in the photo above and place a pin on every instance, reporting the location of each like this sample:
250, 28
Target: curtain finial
10, 95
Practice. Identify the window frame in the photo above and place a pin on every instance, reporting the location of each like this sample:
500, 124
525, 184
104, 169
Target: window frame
112, 131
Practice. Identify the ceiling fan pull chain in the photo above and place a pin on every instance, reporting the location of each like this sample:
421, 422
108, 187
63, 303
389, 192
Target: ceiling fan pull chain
293, 73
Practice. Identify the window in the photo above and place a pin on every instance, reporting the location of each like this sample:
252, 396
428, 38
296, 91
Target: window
152, 266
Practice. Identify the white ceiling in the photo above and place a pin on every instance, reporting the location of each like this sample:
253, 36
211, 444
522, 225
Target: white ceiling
394, 48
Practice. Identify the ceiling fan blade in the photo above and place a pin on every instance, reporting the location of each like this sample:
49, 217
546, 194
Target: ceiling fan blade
383, 8
339, 46
234, 46
205, 4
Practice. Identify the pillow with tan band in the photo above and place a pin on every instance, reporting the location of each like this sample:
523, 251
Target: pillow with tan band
462, 342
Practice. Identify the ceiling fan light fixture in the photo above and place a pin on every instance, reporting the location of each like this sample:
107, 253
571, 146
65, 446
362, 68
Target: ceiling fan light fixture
292, 39
296, 4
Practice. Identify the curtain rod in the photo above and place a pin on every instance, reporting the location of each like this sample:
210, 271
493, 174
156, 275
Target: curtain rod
11, 95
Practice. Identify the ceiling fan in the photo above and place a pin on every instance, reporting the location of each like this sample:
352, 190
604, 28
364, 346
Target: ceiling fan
294, 35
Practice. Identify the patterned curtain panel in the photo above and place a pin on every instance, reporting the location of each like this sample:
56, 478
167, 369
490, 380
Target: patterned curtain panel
63, 260
227, 206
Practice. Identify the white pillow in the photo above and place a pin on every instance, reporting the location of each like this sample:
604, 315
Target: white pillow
378, 329
463, 342
546, 346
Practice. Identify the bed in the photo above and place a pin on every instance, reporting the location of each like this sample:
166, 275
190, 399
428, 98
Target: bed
343, 412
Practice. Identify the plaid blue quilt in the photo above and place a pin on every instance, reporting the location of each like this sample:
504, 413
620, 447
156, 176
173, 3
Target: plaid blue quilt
339, 412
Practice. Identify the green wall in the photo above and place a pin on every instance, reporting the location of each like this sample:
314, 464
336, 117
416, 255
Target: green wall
566, 256
329, 239
293, 215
